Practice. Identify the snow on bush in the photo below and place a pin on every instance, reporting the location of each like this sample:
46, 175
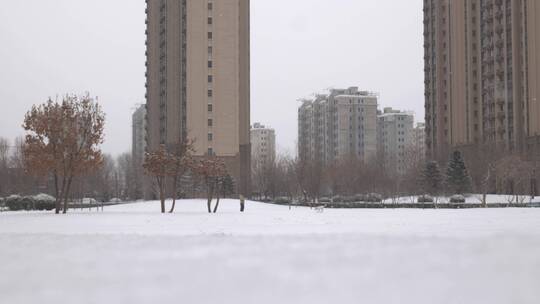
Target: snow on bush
324, 200
337, 199
374, 198
282, 200
89, 201
457, 199
37, 202
425, 199
115, 200
44, 198
349, 199
13, 203
44, 201
359, 197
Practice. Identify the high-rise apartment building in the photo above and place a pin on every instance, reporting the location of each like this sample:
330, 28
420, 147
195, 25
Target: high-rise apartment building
482, 74
198, 79
395, 138
340, 124
138, 149
419, 140
263, 145
138, 142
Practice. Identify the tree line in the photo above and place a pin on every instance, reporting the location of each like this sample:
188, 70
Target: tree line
482, 170
61, 155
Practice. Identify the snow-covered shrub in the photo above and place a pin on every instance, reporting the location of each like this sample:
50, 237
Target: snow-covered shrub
349, 199
115, 200
457, 199
28, 203
44, 202
324, 200
282, 200
359, 198
89, 201
337, 199
374, 198
425, 199
13, 203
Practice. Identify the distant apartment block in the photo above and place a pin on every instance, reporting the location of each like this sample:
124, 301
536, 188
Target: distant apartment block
419, 140
395, 138
138, 142
198, 79
138, 149
340, 124
263, 145
482, 75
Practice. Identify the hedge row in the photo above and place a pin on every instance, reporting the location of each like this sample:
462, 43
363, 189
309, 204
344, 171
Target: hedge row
38, 202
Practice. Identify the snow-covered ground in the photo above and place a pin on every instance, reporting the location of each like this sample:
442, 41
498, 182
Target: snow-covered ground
270, 254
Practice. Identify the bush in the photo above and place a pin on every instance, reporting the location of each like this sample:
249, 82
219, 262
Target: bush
44, 202
359, 198
324, 200
374, 198
115, 200
27, 203
425, 199
89, 201
337, 199
282, 200
349, 199
457, 199
13, 203
37, 202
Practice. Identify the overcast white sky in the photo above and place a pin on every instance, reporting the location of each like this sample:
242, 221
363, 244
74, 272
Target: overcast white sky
299, 47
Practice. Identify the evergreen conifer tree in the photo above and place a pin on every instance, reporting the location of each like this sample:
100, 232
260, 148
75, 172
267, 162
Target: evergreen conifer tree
457, 176
432, 179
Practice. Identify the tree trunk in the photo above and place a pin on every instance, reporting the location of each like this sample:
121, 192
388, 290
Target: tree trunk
174, 194
162, 197
66, 193
173, 205
56, 194
217, 205
210, 197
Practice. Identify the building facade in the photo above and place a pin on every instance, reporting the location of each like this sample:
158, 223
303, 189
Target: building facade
198, 79
482, 74
340, 124
138, 142
138, 149
395, 138
263, 145
419, 140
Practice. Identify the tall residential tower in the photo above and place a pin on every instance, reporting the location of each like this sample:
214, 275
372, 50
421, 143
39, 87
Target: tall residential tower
198, 79
482, 74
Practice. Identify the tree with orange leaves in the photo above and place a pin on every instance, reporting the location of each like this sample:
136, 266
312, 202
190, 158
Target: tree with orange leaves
211, 169
63, 140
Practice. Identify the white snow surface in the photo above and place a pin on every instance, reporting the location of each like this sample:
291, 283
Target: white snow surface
133, 254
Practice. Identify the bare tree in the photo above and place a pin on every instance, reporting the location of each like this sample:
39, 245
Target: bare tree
4, 157
63, 140
157, 164
512, 176
181, 163
210, 169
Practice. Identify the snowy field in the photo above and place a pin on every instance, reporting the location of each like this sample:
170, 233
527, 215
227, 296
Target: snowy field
270, 254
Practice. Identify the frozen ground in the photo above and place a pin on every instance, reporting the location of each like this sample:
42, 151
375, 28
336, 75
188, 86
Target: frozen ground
270, 254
